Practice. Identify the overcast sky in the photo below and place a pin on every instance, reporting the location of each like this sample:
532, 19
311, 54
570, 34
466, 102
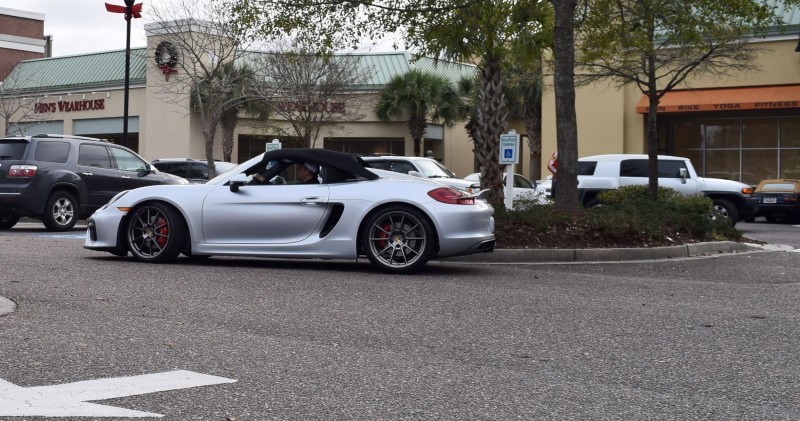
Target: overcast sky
84, 26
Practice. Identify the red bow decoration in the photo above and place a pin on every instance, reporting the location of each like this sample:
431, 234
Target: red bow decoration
166, 70
136, 10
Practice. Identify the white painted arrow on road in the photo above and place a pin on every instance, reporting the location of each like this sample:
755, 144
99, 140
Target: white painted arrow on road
71, 399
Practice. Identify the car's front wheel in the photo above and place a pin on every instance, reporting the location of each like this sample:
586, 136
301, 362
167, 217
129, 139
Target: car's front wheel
398, 239
8, 222
61, 212
155, 233
726, 209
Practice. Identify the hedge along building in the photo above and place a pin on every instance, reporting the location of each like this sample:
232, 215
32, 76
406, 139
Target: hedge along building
83, 95
744, 127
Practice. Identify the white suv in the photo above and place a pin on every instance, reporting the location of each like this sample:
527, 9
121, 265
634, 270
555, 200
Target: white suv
602, 172
421, 167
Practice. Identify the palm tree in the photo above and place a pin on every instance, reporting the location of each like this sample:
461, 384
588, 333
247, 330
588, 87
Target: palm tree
419, 97
220, 97
244, 81
523, 94
491, 34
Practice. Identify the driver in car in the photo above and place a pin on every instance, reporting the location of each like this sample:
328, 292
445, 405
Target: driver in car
306, 173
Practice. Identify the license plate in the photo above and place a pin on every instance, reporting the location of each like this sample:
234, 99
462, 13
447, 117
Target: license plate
770, 200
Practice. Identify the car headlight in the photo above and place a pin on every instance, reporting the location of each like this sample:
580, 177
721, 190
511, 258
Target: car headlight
114, 199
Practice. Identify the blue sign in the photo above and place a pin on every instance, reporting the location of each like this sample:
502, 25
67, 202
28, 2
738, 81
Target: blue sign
509, 148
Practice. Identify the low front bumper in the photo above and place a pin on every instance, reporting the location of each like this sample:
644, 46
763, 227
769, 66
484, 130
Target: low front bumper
102, 229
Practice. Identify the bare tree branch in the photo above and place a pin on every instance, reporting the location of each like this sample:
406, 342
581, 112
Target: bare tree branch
310, 90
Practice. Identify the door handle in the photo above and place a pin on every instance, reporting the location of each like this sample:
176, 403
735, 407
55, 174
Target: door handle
311, 201
125, 176
88, 174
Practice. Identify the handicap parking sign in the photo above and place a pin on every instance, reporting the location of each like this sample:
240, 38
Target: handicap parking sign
509, 148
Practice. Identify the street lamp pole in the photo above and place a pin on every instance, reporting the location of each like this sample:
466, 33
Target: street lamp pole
131, 11
128, 12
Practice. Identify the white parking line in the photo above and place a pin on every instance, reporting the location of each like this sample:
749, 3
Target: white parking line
71, 399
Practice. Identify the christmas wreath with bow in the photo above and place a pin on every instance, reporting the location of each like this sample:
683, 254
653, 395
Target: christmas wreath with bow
166, 54
166, 58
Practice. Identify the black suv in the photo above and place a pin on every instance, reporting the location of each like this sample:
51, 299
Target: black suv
194, 170
61, 179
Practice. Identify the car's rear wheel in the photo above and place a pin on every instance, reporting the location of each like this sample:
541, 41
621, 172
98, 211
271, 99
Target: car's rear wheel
155, 233
61, 212
398, 239
725, 208
7, 222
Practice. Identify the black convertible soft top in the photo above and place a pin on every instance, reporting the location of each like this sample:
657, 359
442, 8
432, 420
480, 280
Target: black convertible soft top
341, 161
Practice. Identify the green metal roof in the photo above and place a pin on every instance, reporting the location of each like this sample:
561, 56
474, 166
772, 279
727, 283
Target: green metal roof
383, 66
789, 14
107, 69
86, 71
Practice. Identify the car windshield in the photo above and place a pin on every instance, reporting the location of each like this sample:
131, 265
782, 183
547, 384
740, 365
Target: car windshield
224, 167
522, 182
433, 169
778, 187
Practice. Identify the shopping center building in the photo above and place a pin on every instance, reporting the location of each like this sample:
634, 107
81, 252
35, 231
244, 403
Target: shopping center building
745, 126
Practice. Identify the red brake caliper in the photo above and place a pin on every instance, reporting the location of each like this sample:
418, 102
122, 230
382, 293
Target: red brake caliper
384, 234
163, 232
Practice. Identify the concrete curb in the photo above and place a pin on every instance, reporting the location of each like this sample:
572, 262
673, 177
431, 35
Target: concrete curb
606, 255
6, 306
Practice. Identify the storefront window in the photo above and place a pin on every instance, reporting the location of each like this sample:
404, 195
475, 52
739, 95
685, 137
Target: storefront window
790, 164
759, 164
748, 149
790, 132
367, 146
760, 133
687, 134
722, 134
722, 164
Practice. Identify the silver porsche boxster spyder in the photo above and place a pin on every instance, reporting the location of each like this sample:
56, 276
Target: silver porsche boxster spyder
271, 207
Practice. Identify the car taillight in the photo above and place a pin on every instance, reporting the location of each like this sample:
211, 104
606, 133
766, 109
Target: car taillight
22, 171
451, 196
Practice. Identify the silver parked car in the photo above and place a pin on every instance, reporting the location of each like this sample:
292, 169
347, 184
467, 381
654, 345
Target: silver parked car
344, 211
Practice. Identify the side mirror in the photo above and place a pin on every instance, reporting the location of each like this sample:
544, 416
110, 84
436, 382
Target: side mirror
415, 174
148, 170
683, 173
238, 181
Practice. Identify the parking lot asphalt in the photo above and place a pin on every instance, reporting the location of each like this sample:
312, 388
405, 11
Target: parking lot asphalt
577, 256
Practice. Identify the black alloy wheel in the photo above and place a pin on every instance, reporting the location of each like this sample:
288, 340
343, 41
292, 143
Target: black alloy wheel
398, 239
156, 233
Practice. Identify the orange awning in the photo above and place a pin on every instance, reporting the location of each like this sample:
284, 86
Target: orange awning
726, 99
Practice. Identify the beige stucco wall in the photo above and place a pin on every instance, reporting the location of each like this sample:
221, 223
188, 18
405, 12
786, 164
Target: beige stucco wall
601, 113
607, 117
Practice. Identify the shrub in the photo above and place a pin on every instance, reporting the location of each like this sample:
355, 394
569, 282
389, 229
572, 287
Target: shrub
626, 217
631, 209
